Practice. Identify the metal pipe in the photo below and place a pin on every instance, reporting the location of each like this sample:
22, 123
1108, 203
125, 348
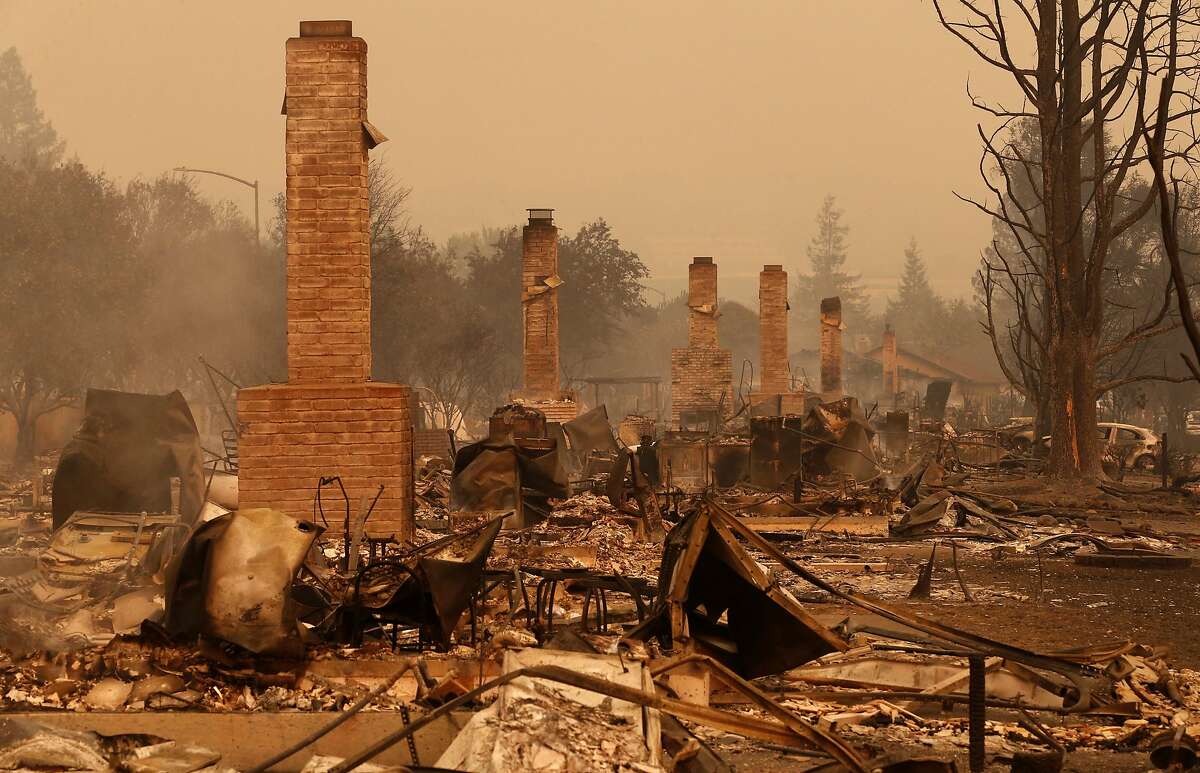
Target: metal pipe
252, 185
977, 711
316, 735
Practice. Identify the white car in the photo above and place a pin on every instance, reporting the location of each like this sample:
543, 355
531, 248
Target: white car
1139, 446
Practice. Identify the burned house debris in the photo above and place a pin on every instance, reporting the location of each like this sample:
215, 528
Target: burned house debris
777, 575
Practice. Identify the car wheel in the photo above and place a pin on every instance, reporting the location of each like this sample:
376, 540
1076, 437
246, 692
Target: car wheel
1021, 445
1144, 463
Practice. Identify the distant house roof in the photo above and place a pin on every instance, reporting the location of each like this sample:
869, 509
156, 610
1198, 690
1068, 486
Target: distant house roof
929, 368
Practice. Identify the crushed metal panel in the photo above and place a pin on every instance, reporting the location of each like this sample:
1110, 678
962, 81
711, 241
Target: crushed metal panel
91, 542
925, 515
853, 455
588, 433
545, 724
729, 463
776, 450
125, 453
251, 569
935, 678
712, 591
683, 463
611, 668
452, 583
486, 479
937, 394
29, 745
838, 441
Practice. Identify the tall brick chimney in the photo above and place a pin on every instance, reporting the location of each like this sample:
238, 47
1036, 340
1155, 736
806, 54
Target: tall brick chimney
772, 330
702, 302
329, 255
539, 303
891, 362
329, 419
831, 348
702, 372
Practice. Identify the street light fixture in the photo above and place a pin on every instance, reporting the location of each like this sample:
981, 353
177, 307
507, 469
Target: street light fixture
247, 183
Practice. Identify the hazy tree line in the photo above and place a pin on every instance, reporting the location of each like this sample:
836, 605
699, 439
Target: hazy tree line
925, 322
129, 286
121, 286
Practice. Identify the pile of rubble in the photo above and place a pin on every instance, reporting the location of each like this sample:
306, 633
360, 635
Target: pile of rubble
602, 621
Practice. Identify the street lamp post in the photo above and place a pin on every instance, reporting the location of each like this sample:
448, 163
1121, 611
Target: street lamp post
247, 183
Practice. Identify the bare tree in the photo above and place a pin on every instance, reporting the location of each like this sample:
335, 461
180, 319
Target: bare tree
1064, 202
1170, 139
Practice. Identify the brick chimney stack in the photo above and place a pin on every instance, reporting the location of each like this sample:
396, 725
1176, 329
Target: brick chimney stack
329, 419
702, 302
539, 303
701, 372
772, 330
831, 348
891, 362
328, 250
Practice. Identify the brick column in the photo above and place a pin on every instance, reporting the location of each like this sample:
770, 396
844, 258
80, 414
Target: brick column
890, 361
772, 330
831, 348
329, 419
701, 373
329, 257
539, 304
702, 302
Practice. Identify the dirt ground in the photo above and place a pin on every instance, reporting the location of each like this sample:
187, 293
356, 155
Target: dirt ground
1080, 605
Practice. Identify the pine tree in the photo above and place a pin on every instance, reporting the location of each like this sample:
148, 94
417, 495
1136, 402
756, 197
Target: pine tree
914, 285
917, 313
25, 134
827, 258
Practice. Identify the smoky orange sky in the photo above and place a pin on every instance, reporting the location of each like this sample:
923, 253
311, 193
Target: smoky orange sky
695, 128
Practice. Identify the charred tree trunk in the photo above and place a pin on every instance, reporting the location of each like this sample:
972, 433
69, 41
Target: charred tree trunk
26, 437
1071, 380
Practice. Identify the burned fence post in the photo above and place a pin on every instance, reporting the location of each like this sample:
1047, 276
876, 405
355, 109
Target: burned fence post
1164, 463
